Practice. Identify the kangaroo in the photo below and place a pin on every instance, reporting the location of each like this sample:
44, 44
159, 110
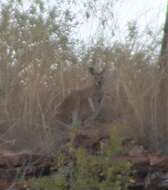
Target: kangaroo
83, 104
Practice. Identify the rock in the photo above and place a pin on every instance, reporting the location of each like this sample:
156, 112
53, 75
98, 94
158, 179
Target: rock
4, 185
26, 164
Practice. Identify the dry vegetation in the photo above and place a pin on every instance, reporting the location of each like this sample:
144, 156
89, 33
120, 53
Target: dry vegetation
39, 68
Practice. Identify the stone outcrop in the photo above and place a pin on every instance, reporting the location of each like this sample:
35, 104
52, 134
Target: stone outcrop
18, 165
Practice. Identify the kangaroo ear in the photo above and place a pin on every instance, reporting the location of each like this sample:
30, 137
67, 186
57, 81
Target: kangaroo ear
104, 68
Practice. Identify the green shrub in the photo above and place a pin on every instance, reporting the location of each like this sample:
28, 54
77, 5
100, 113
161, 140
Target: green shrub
49, 183
86, 171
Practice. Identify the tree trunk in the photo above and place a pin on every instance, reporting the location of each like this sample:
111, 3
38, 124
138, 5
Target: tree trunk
164, 47
163, 91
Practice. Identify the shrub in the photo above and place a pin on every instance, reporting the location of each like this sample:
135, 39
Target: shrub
102, 171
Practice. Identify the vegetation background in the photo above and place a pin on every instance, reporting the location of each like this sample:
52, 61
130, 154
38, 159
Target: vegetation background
41, 63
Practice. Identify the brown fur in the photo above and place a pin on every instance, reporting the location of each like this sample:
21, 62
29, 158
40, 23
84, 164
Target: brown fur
82, 104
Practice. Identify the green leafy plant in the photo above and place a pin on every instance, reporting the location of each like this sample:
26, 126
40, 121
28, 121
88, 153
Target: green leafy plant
102, 171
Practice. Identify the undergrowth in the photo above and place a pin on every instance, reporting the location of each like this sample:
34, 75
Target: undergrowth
85, 171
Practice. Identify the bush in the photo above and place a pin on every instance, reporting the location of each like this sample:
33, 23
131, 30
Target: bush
102, 171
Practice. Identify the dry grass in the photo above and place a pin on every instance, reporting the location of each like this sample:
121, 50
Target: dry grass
39, 69
29, 109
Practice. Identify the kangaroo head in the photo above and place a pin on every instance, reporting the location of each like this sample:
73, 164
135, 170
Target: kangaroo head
98, 75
